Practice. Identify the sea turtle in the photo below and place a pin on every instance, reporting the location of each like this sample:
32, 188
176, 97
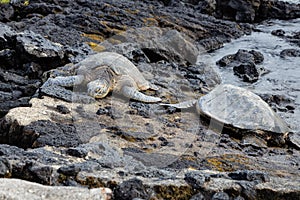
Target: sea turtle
241, 110
104, 72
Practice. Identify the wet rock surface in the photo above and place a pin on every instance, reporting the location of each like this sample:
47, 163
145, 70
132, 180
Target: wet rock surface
244, 64
56, 137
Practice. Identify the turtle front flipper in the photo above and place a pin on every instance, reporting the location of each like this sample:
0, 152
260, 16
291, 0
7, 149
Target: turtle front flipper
181, 105
63, 81
127, 87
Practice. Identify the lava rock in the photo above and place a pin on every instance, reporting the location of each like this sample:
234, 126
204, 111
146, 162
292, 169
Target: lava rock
249, 176
198, 196
294, 140
251, 11
77, 152
41, 133
65, 94
196, 179
130, 189
244, 64
5, 168
278, 32
71, 170
34, 47
63, 109
7, 36
220, 196
20, 189
290, 53
7, 57
248, 72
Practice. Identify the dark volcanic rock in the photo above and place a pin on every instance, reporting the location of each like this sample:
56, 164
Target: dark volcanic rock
34, 47
278, 32
7, 35
294, 140
130, 189
244, 64
249, 176
198, 196
250, 11
290, 53
247, 72
5, 168
196, 179
220, 196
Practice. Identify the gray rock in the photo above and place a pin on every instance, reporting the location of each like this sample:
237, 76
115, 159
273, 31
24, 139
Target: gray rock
198, 196
5, 168
158, 44
34, 47
19, 189
244, 64
249, 175
247, 72
279, 188
290, 53
7, 35
294, 140
125, 190
196, 179
220, 196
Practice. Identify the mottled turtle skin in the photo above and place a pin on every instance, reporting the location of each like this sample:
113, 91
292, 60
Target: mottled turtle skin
237, 108
107, 71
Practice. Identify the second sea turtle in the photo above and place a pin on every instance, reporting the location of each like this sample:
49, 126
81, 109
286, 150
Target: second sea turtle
240, 110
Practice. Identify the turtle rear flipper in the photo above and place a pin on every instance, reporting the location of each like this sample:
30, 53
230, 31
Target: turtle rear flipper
181, 105
133, 93
127, 87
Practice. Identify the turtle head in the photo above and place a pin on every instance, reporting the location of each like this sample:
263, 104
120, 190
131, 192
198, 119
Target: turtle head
98, 88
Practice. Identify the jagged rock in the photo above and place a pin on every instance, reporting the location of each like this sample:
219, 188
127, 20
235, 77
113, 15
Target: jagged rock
278, 189
278, 32
19, 189
34, 126
250, 11
249, 176
6, 12
220, 196
294, 140
278, 10
131, 189
244, 64
248, 72
198, 196
290, 53
7, 35
157, 44
5, 168
34, 47
196, 179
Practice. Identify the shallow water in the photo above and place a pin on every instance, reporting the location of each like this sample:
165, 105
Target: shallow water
284, 75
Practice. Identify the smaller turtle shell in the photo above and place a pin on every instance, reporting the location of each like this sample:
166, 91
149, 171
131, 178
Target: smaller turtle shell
240, 108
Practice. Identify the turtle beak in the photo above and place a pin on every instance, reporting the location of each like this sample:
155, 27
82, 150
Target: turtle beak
98, 89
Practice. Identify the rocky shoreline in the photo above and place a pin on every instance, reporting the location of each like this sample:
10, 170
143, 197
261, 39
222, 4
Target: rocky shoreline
135, 150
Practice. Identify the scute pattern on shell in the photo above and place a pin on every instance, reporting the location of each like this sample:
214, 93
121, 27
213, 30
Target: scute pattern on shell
240, 108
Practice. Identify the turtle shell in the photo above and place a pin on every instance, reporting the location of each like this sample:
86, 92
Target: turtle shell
240, 108
119, 64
